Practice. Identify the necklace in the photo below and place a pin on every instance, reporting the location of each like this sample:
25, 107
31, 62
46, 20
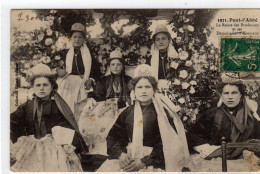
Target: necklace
163, 56
116, 87
144, 108
76, 60
163, 63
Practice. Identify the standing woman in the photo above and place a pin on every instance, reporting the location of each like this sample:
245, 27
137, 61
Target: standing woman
81, 69
148, 133
162, 51
115, 83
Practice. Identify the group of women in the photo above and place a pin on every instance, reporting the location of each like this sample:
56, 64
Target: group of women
148, 133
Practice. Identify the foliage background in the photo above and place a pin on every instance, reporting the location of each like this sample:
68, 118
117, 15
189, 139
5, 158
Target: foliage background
194, 75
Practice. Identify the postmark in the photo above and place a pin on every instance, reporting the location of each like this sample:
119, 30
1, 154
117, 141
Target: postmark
240, 55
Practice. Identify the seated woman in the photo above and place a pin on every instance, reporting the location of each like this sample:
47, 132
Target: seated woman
148, 133
235, 118
114, 84
38, 116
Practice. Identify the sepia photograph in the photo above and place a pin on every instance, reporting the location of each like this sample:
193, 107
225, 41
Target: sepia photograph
134, 90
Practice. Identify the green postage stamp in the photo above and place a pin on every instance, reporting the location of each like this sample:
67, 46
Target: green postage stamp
240, 55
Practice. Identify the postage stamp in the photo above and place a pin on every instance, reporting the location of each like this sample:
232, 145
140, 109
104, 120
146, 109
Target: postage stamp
240, 55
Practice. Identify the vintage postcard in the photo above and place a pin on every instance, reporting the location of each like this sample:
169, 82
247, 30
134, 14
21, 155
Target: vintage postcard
127, 90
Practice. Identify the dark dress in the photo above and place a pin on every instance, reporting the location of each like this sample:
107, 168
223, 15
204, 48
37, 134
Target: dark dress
215, 124
163, 66
104, 90
24, 122
78, 66
122, 131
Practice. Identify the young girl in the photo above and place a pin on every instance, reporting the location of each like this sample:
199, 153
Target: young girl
115, 83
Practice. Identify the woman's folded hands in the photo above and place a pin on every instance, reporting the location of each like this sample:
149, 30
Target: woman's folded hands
128, 164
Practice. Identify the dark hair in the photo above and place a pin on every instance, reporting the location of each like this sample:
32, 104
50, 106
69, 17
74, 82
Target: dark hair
135, 80
241, 87
121, 60
51, 79
166, 33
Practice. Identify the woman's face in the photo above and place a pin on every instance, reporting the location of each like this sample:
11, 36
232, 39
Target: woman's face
162, 41
231, 96
144, 91
116, 66
77, 39
42, 87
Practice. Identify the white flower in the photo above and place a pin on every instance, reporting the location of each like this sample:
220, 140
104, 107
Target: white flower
188, 63
142, 61
143, 50
185, 118
213, 67
48, 41
28, 37
179, 50
35, 56
49, 32
195, 56
177, 108
190, 28
210, 56
183, 74
46, 59
192, 90
193, 82
53, 49
163, 84
187, 20
177, 82
27, 65
190, 12
185, 85
53, 11
50, 23
183, 55
57, 34
181, 30
57, 57
174, 65
212, 51
181, 100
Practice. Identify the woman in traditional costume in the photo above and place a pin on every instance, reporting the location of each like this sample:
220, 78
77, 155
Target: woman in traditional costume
80, 72
115, 83
147, 134
162, 51
234, 118
46, 110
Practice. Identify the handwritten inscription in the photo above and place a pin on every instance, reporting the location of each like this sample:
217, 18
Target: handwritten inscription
25, 17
